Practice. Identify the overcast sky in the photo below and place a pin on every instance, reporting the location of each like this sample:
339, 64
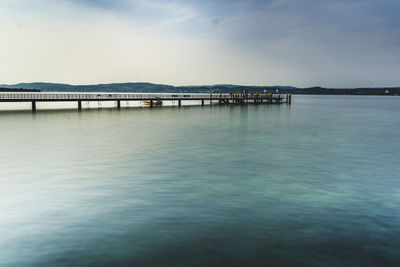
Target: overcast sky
332, 43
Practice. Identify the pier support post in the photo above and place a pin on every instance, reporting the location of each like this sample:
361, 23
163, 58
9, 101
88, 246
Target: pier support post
118, 104
151, 103
202, 102
33, 106
289, 99
179, 103
79, 105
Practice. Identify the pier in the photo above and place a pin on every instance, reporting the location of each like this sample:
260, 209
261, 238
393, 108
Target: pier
151, 99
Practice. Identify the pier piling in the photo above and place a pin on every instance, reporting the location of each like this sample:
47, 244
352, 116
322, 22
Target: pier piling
33, 106
79, 105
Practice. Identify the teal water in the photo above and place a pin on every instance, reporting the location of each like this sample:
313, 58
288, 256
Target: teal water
314, 184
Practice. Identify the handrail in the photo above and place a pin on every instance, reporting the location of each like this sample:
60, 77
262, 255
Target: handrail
125, 96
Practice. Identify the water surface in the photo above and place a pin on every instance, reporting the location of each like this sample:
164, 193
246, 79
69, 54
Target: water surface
314, 184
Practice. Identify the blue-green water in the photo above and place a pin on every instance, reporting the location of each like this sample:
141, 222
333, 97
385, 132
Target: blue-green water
314, 184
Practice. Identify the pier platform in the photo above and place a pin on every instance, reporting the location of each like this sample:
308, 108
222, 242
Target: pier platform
151, 98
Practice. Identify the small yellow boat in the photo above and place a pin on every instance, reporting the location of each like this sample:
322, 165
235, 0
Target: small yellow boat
155, 102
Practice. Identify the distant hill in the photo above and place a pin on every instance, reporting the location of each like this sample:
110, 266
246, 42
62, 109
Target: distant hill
113, 87
218, 88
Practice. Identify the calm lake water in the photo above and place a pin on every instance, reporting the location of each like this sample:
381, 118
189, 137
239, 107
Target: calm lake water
314, 184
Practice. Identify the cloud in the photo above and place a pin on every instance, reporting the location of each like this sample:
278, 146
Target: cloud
297, 42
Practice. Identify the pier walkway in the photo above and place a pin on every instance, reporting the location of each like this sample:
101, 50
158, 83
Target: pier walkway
150, 98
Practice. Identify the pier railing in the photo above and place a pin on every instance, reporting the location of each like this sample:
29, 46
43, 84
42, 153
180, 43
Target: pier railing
111, 96
122, 96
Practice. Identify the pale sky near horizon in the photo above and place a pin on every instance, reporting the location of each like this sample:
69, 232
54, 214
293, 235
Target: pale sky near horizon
331, 43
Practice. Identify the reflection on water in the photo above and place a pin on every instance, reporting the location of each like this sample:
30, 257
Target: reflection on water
313, 184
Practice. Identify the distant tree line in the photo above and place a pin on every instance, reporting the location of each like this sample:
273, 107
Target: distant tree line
352, 91
292, 90
2, 89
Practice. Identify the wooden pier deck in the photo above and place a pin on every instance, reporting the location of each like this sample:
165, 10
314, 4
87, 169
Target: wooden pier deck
151, 98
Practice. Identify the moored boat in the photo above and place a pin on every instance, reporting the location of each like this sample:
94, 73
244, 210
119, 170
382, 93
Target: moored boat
156, 102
